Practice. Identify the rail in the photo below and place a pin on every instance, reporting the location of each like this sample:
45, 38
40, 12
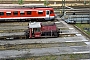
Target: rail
13, 37
82, 31
51, 2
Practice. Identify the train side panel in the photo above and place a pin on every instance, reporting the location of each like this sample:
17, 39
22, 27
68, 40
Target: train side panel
27, 14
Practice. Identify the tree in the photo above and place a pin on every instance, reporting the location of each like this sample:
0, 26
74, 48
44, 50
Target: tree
20, 2
46, 3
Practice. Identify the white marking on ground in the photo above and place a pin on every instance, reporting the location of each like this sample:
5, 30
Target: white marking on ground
76, 41
69, 7
70, 41
78, 35
84, 59
81, 52
88, 43
71, 28
57, 22
75, 46
84, 40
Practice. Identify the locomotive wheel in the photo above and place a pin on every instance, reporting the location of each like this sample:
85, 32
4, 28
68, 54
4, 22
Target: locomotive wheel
56, 34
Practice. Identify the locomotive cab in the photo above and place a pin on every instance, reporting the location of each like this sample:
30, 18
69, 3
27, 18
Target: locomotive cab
34, 30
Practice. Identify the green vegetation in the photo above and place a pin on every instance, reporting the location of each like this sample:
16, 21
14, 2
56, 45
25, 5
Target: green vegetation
20, 2
84, 27
59, 57
46, 3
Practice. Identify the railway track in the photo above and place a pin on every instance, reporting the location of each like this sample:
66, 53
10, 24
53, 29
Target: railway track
17, 30
77, 16
13, 29
22, 26
51, 2
55, 6
40, 44
37, 45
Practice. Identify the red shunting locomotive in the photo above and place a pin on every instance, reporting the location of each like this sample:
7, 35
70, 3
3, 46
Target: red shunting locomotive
42, 29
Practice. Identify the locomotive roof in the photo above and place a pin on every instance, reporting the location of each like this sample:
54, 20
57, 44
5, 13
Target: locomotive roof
34, 25
47, 23
38, 24
25, 9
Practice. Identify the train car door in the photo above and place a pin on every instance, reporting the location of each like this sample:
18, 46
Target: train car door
47, 14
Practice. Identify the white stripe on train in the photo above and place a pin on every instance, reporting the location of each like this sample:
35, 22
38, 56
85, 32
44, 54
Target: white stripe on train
25, 17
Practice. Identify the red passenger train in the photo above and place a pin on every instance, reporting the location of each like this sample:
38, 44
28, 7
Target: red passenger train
27, 13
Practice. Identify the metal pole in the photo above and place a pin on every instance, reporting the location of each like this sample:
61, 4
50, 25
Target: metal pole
89, 16
85, 2
63, 6
46, 2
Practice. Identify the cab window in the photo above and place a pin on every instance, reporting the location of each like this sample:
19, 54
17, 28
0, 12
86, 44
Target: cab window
51, 11
36, 29
1, 13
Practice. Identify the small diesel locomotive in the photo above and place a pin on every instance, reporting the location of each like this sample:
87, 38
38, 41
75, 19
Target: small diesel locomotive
42, 29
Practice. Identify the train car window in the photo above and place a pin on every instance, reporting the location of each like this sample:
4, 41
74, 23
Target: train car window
15, 12
1, 13
28, 12
8, 13
40, 12
51, 11
22, 13
36, 29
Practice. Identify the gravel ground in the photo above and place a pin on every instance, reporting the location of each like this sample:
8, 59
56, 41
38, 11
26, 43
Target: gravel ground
71, 47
